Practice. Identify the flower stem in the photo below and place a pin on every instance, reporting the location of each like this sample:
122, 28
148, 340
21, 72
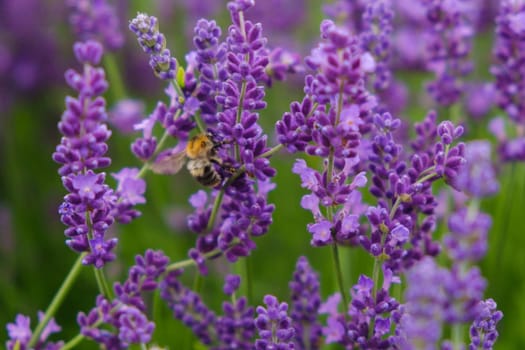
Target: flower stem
191, 262
248, 278
102, 283
73, 342
115, 78
215, 209
339, 275
58, 299
457, 336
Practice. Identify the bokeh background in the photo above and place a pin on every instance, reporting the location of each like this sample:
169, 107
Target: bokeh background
35, 50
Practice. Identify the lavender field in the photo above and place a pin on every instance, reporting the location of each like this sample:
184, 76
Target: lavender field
253, 174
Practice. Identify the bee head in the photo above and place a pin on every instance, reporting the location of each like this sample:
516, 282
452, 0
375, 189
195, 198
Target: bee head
199, 146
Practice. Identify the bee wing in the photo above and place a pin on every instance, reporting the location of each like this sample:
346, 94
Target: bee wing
169, 164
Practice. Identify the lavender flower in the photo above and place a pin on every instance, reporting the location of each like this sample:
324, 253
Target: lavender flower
231, 284
88, 208
305, 303
468, 238
401, 182
153, 42
210, 58
127, 324
369, 311
508, 149
509, 55
464, 290
118, 323
375, 38
125, 114
483, 333
188, 307
448, 47
421, 322
235, 328
20, 333
477, 177
130, 190
96, 20
328, 124
228, 82
274, 326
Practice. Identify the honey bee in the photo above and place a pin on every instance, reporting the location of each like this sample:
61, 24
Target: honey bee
201, 152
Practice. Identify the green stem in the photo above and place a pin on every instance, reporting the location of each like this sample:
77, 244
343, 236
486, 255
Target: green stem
73, 342
248, 279
215, 209
58, 299
457, 336
329, 211
190, 262
114, 76
375, 279
339, 275
102, 283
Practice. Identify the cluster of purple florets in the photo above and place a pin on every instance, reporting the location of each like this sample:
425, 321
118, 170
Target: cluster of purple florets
346, 143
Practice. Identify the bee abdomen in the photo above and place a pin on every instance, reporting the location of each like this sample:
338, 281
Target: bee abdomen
209, 177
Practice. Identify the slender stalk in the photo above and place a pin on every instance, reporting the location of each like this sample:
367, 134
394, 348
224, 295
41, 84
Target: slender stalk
58, 299
73, 342
215, 209
457, 336
103, 283
329, 211
248, 279
115, 78
375, 279
191, 262
339, 275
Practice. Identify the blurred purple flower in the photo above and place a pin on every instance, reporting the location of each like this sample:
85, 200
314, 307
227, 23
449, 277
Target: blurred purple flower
479, 99
509, 54
467, 240
125, 114
231, 284
20, 333
96, 20
421, 322
477, 177
450, 33
305, 305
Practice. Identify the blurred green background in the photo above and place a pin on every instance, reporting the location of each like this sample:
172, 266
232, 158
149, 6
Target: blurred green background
34, 259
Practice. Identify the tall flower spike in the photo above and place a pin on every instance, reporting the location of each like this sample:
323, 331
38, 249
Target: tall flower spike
153, 42
421, 323
88, 208
236, 77
328, 124
274, 326
96, 20
450, 33
510, 60
376, 39
305, 303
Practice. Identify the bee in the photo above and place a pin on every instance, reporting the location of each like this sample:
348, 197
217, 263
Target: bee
201, 152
